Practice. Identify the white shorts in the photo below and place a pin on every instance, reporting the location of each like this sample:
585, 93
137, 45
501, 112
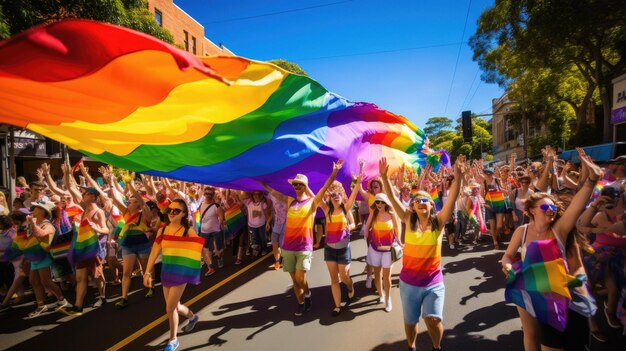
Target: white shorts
378, 258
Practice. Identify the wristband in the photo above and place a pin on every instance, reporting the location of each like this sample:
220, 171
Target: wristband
147, 274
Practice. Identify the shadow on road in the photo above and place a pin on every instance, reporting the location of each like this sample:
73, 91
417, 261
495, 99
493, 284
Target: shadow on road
492, 279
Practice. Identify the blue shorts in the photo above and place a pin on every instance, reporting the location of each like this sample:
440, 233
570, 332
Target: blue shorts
428, 300
213, 241
142, 250
45, 263
341, 256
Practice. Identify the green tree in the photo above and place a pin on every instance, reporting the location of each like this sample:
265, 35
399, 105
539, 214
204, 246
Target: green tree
554, 48
23, 14
289, 66
4, 27
437, 124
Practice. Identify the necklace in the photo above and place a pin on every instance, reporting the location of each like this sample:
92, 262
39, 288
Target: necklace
177, 230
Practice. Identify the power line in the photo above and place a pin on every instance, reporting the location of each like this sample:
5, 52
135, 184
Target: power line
457, 56
477, 86
278, 12
375, 52
469, 91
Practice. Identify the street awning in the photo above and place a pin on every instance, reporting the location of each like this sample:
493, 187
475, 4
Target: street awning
599, 153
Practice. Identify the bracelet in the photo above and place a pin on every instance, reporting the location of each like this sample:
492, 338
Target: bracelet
148, 274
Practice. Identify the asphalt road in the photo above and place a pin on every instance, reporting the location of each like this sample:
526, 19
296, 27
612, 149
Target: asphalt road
251, 307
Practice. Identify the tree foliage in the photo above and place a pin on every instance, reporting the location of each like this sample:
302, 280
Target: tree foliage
23, 14
437, 124
448, 136
549, 54
289, 66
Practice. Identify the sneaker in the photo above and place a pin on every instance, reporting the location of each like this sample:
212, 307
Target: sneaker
307, 302
611, 322
336, 311
121, 303
238, 261
99, 302
351, 294
116, 282
248, 252
209, 272
61, 304
4, 307
73, 312
451, 246
368, 282
381, 299
192, 323
149, 294
388, 305
38, 311
220, 263
172, 345
300, 310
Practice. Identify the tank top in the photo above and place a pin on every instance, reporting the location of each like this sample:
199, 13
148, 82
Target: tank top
382, 234
337, 235
133, 232
181, 258
299, 226
421, 262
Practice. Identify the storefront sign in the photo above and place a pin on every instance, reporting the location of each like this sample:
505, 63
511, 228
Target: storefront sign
618, 113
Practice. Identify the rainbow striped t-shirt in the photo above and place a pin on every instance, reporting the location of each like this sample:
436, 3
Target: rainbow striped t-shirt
382, 234
421, 262
299, 225
337, 234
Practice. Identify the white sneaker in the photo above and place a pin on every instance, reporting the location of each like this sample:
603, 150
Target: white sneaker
61, 304
38, 311
452, 246
368, 282
388, 305
381, 299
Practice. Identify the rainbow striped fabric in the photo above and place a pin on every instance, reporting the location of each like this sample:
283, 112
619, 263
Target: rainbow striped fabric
235, 220
181, 259
64, 233
299, 226
85, 244
495, 199
73, 211
196, 219
421, 262
434, 194
28, 245
127, 99
540, 283
133, 233
382, 234
336, 229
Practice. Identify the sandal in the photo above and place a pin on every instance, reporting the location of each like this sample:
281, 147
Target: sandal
336, 311
611, 323
598, 336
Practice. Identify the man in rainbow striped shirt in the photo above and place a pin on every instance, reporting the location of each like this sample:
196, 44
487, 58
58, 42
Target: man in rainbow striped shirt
297, 245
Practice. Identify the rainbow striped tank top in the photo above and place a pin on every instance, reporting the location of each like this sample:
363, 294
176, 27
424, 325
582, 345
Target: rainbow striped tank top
133, 232
29, 245
337, 235
85, 244
382, 234
181, 259
421, 262
299, 226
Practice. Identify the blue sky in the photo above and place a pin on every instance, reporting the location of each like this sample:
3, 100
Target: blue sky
400, 55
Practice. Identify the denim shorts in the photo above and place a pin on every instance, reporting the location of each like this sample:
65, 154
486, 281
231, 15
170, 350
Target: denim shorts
341, 256
213, 241
142, 250
300, 260
429, 300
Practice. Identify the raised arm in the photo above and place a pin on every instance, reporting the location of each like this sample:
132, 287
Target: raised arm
460, 167
544, 181
320, 194
566, 223
70, 184
45, 169
275, 193
355, 190
383, 168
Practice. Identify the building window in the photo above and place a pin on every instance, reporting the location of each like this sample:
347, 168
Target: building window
186, 40
158, 16
193, 45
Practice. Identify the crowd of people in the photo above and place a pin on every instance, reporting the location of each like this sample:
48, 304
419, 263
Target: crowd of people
61, 234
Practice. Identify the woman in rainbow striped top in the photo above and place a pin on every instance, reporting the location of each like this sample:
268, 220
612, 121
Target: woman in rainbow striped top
421, 279
181, 248
297, 246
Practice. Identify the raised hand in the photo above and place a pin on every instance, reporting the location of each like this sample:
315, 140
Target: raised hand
337, 165
45, 167
595, 172
383, 167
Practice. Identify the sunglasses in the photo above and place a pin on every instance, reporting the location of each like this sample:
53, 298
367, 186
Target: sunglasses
173, 211
334, 194
378, 202
297, 185
37, 189
545, 207
422, 200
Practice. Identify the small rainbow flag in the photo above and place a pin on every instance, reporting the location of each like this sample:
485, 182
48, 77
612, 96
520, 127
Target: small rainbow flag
196, 217
235, 220
63, 235
476, 217
495, 199
597, 190
540, 284
434, 193
29, 245
181, 259
76, 167
73, 211
13, 251
163, 205
85, 244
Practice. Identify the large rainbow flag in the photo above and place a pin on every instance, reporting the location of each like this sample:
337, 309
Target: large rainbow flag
84, 245
495, 199
540, 283
130, 100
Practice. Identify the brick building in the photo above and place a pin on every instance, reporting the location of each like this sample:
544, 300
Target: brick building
187, 32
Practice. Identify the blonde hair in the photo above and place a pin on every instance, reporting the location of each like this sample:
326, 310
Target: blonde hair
336, 187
